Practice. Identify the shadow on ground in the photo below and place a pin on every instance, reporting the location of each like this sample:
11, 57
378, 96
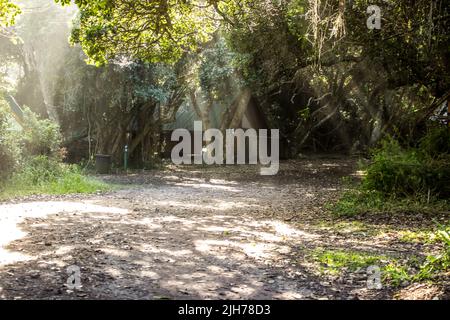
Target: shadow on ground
221, 233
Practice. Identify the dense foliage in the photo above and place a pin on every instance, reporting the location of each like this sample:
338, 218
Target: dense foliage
150, 30
321, 76
398, 171
8, 12
315, 69
31, 158
9, 149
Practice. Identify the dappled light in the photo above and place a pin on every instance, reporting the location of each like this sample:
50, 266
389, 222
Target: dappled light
12, 215
179, 253
136, 243
224, 149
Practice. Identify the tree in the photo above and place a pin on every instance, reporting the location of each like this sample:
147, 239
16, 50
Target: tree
8, 12
106, 107
358, 82
316, 69
160, 30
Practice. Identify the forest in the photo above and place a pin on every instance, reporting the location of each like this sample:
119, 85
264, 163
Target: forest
351, 96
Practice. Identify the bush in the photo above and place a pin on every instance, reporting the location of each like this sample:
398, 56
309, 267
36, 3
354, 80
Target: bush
9, 148
396, 171
436, 144
40, 169
44, 175
40, 137
402, 179
31, 159
17, 148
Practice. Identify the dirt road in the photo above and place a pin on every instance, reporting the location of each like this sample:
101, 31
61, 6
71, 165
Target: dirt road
187, 233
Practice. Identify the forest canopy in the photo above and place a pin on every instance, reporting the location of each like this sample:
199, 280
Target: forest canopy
313, 66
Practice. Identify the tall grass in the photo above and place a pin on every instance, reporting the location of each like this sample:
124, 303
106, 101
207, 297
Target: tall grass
31, 159
42, 175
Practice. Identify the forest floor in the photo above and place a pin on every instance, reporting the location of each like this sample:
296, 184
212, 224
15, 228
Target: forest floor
210, 232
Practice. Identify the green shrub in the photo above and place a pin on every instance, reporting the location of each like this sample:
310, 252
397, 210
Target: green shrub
21, 146
31, 159
40, 169
40, 136
44, 175
9, 148
396, 171
436, 143
402, 179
